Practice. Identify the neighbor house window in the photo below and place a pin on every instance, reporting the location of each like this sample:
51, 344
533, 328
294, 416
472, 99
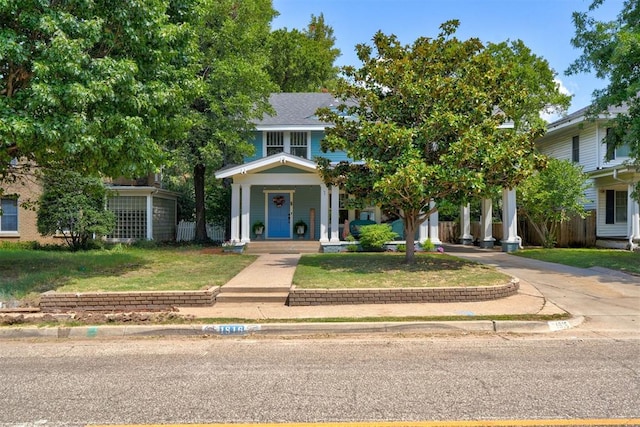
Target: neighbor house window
616, 207
614, 153
8, 215
295, 143
575, 149
275, 143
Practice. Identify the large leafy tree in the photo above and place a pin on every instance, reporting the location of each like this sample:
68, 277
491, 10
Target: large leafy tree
303, 61
94, 85
425, 120
235, 90
553, 196
612, 50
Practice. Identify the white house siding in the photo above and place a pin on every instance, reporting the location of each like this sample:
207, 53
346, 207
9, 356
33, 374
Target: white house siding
588, 148
604, 229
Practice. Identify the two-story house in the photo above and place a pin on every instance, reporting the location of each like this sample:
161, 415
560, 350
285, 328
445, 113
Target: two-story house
579, 139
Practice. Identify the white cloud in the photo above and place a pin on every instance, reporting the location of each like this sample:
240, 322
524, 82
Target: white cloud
552, 113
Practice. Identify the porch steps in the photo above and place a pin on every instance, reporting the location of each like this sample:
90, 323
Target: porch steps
251, 294
282, 247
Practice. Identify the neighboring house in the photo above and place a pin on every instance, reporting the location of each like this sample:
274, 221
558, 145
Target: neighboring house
579, 139
144, 211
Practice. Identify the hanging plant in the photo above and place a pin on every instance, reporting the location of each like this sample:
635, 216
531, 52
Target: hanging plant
278, 201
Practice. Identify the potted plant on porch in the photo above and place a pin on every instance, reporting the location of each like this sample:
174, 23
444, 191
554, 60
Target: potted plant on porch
300, 227
258, 228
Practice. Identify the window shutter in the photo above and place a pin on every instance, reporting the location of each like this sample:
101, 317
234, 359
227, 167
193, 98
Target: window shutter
610, 208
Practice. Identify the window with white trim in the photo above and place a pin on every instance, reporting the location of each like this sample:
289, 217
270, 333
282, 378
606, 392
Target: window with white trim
621, 206
295, 143
299, 144
616, 205
275, 143
614, 153
8, 215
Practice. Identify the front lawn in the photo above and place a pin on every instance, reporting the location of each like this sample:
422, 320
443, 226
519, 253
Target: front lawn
121, 268
626, 261
387, 270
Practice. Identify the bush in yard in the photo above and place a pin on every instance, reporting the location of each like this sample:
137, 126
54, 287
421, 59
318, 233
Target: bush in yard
74, 206
373, 237
551, 197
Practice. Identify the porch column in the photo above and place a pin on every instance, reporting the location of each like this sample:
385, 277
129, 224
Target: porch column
465, 225
149, 217
634, 217
423, 231
434, 225
324, 213
246, 206
510, 239
487, 224
335, 214
235, 212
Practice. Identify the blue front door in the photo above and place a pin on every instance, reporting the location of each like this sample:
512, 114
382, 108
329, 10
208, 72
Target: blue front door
279, 214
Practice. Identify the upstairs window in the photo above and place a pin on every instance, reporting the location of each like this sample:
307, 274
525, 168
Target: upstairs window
575, 149
295, 143
275, 143
8, 215
299, 144
617, 152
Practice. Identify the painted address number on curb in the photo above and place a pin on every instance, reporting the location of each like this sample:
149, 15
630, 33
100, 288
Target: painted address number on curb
559, 325
231, 329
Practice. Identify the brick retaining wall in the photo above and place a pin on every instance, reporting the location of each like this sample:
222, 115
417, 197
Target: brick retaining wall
302, 297
126, 301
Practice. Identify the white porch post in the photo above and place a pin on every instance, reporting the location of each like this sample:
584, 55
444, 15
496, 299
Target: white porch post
434, 225
149, 217
423, 231
335, 214
324, 213
510, 239
246, 206
465, 225
487, 224
235, 212
634, 218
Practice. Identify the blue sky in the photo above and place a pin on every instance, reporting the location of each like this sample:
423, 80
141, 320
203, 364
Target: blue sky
545, 26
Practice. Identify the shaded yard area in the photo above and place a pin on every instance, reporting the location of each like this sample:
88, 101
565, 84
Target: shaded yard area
122, 268
615, 259
387, 270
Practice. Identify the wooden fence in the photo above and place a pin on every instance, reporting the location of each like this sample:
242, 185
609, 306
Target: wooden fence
576, 232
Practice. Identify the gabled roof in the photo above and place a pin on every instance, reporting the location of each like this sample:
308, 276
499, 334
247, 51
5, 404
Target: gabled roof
581, 115
296, 110
266, 163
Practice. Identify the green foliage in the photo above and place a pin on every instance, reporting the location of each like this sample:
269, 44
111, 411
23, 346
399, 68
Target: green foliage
74, 206
235, 88
428, 245
553, 196
612, 50
94, 85
426, 120
373, 237
302, 61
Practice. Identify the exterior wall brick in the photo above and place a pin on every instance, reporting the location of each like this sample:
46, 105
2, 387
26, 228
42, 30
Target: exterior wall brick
305, 297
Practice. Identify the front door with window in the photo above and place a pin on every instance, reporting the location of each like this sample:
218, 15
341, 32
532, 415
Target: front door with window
279, 216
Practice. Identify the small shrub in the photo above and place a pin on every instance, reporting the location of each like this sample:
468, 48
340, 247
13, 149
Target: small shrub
373, 237
352, 248
428, 245
402, 248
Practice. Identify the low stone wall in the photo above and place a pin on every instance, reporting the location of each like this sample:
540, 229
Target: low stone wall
52, 301
303, 297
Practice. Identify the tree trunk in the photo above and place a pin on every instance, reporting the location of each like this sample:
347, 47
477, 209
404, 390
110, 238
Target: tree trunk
409, 233
201, 218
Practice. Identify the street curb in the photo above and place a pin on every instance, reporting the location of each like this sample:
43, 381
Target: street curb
276, 329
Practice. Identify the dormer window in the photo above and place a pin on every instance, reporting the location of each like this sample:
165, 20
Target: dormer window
295, 143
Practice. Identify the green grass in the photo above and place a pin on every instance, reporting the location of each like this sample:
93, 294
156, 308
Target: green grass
23, 271
387, 270
626, 261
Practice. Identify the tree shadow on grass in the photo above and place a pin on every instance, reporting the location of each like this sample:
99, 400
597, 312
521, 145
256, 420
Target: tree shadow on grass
371, 263
28, 271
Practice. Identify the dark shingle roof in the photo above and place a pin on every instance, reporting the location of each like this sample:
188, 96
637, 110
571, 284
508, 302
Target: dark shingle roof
297, 109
